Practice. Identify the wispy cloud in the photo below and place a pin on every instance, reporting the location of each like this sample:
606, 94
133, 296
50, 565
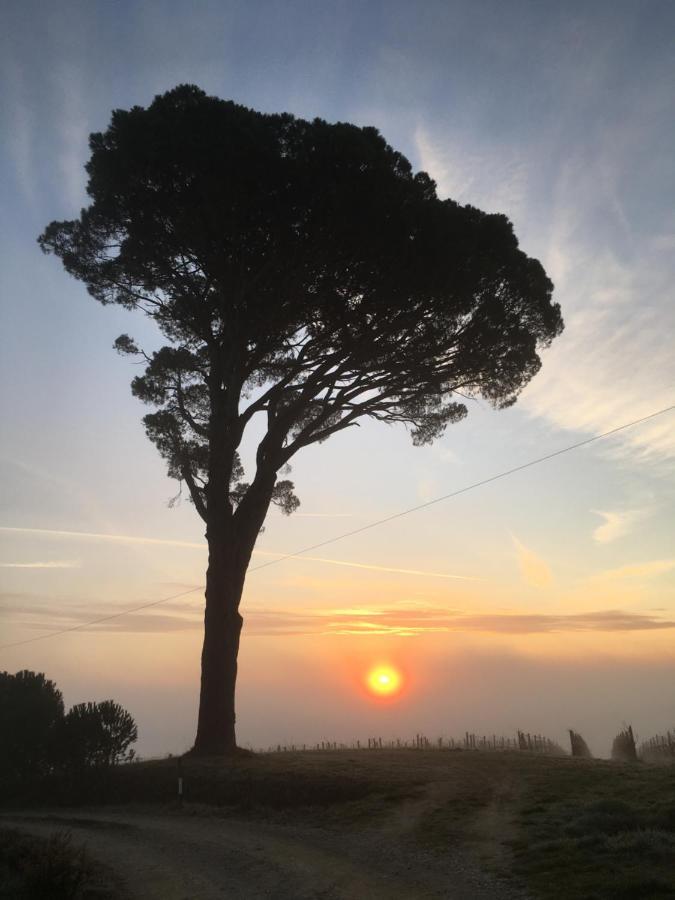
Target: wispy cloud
53, 564
651, 569
435, 621
495, 181
372, 567
399, 621
427, 489
445, 454
533, 568
193, 545
103, 536
311, 515
20, 127
617, 524
608, 252
614, 362
73, 132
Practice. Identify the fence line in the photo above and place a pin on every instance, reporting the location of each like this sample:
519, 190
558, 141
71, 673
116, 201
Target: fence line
660, 748
532, 743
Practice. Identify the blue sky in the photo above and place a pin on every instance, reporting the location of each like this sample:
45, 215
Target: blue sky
559, 115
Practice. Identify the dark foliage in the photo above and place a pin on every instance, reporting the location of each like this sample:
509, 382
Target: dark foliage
301, 261
95, 734
30, 706
303, 273
53, 868
36, 738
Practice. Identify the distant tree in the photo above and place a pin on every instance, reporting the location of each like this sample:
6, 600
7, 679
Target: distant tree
95, 734
30, 707
305, 279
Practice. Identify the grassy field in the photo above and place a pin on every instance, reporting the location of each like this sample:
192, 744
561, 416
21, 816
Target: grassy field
564, 828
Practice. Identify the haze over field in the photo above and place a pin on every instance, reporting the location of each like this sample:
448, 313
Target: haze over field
540, 601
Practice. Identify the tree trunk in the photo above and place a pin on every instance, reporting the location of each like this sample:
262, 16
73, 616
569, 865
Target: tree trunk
222, 628
230, 549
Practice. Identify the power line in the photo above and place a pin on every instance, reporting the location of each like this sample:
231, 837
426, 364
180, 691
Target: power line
117, 615
469, 487
346, 534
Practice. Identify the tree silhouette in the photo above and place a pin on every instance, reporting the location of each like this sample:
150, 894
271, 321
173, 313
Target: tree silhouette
30, 707
95, 734
303, 274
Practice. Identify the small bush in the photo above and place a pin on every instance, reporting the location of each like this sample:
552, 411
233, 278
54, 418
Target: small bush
42, 869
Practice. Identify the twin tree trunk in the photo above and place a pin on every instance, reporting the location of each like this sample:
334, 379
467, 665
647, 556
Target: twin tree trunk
230, 548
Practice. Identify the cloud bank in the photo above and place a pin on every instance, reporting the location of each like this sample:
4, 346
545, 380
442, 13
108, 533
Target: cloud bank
397, 621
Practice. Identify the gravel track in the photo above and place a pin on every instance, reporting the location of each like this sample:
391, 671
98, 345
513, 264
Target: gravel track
183, 856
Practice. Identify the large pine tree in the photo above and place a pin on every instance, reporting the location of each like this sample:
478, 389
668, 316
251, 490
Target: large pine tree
303, 273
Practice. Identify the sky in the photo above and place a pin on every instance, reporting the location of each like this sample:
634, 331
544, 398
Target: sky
541, 601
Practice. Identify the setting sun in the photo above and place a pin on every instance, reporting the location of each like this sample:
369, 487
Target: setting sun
384, 680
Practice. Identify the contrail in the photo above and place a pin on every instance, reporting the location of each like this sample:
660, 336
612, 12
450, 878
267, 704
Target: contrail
192, 545
96, 536
64, 564
374, 568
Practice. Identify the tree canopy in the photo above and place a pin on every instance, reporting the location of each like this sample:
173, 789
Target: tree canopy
302, 266
30, 706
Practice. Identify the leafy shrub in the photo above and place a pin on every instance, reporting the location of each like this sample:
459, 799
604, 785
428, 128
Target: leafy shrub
95, 734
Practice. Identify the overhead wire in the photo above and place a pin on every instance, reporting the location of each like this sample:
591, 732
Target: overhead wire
360, 530
463, 490
117, 615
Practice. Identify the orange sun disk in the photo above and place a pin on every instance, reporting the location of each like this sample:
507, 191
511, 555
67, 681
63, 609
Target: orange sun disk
384, 680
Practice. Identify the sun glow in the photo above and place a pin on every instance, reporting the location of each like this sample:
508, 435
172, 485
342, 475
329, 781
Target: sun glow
384, 680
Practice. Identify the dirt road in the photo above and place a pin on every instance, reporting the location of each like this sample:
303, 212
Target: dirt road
183, 856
